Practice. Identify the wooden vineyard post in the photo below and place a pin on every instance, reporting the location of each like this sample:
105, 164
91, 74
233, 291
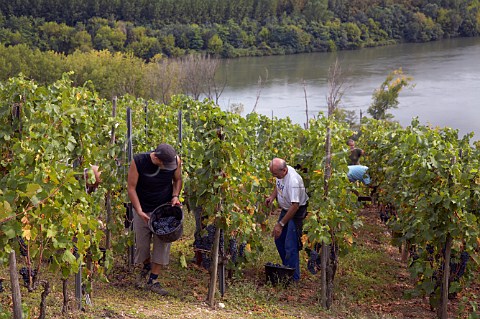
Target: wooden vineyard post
145, 110
180, 128
221, 264
323, 283
216, 244
325, 251
214, 267
78, 283
108, 196
442, 311
16, 296
131, 248
335, 93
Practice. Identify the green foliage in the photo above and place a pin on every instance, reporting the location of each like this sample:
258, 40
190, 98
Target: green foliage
386, 96
51, 133
432, 179
62, 130
332, 218
110, 39
215, 44
244, 27
39, 182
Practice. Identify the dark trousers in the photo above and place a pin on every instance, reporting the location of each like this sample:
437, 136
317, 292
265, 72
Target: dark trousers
289, 244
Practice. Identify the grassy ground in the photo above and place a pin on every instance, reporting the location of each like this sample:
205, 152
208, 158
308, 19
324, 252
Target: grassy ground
370, 283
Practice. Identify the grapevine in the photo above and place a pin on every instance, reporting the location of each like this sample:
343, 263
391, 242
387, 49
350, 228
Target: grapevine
428, 180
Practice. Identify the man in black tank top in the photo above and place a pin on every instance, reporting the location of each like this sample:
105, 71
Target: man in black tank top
355, 153
154, 178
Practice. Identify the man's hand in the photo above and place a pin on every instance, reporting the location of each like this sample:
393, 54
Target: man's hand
269, 201
144, 216
176, 201
277, 230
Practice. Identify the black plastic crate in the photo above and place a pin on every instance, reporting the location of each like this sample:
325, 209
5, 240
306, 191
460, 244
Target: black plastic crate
278, 274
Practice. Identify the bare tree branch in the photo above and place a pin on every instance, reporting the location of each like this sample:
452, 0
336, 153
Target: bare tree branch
260, 86
306, 103
336, 83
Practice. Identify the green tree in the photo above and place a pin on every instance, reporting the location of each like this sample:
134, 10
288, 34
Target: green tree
317, 10
215, 44
145, 48
58, 37
353, 34
386, 96
9, 37
82, 41
110, 39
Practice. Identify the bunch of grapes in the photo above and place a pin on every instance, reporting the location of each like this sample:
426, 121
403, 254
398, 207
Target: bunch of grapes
1, 285
430, 249
23, 247
233, 249
75, 251
412, 252
458, 269
241, 250
384, 216
314, 262
165, 225
24, 272
206, 242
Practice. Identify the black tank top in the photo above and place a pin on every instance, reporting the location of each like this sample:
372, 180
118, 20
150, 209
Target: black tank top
155, 185
355, 156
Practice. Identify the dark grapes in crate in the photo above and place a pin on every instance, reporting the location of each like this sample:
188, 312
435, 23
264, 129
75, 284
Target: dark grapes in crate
276, 274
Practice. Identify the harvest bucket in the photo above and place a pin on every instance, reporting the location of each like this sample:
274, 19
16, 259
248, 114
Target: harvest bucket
277, 274
166, 221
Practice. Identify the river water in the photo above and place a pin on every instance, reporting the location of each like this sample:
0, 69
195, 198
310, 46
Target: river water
446, 78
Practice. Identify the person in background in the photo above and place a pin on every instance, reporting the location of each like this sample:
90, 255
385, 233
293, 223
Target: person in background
92, 178
154, 179
358, 173
290, 193
355, 153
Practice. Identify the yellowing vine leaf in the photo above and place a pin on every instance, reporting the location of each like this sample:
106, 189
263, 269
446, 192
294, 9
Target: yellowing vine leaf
349, 239
5, 207
183, 261
27, 233
304, 239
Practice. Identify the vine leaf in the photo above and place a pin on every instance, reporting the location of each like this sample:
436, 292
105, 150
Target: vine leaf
32, 189
27, 233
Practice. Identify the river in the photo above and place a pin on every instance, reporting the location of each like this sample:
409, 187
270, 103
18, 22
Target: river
446, 78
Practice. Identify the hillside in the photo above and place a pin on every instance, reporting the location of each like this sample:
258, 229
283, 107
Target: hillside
151, 29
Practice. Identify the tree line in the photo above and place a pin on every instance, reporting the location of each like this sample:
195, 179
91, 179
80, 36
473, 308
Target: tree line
149, 29
117, 74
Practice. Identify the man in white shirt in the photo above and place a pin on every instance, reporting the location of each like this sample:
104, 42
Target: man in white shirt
292, 198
